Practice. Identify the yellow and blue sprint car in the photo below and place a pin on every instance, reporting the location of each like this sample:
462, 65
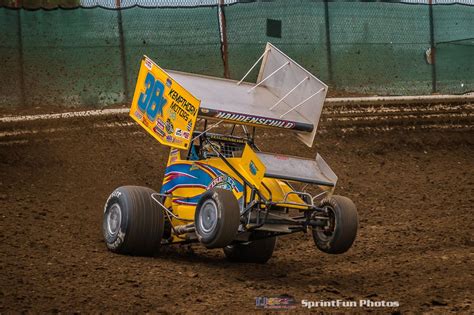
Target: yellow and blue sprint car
219, 189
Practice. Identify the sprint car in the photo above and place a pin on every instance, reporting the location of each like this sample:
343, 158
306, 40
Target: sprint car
219, 189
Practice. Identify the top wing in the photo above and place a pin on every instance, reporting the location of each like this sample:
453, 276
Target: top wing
285, 96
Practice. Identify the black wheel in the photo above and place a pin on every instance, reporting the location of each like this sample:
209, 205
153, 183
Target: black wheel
259, 251
340, 232
133, 222
217, 218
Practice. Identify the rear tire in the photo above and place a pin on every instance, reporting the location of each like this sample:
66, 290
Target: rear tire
337, 237
217, 218
259, 251
133, 222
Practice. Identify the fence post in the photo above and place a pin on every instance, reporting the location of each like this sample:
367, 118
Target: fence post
328, 41
433, 49
21, 72
122, 50
223, 39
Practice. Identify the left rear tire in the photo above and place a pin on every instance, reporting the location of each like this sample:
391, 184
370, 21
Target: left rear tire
133, 223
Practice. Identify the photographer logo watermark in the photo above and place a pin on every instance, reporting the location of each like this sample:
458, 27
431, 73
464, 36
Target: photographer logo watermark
278, 302
348, 304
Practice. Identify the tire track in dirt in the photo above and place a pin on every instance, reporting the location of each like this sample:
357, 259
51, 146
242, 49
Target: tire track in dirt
335, 118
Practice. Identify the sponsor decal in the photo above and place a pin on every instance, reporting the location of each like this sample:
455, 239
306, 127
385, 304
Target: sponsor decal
181, 106
182, 134
159, 131
228, 139
253, 168
182, 102
189, 126
169, 138
168, 82
139, 115
148, 64
160, 124
255, 120
223, 181
173, 155
174, 151
115, 194
169, 127
171, 114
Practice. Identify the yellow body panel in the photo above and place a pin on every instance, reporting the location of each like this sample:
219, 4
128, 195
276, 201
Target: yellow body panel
279, 189
162, 107
252, 168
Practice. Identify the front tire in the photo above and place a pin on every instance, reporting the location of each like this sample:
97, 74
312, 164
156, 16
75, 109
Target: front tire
340, 232
217, 218
133, 222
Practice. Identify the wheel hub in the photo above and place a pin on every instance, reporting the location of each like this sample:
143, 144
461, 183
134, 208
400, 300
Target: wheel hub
114, 219
208, 216
328, 230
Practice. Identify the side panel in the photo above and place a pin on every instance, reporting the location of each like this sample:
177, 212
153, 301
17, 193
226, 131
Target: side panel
188, 180
300, 90
252, 167
162, 107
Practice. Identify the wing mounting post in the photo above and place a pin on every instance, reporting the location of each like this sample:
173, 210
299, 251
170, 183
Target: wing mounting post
254, 65
269, 76
301, 103
291, 91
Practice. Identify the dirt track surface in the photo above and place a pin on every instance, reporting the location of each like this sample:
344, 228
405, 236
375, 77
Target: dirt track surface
414, 191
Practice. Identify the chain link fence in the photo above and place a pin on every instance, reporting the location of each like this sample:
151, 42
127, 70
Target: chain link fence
88, 52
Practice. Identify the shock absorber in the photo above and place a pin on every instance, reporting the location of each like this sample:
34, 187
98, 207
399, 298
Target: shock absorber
183, 229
